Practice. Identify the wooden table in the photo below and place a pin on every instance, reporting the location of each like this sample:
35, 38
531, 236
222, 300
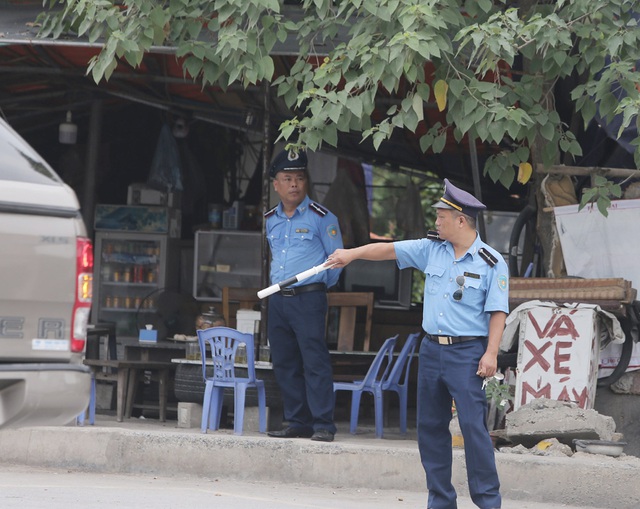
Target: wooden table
160, 351
126, 375
153, 354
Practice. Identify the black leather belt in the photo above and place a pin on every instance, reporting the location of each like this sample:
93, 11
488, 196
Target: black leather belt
451, 340
297, 290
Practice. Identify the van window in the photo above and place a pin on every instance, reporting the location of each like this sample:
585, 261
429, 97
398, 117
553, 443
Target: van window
19, 162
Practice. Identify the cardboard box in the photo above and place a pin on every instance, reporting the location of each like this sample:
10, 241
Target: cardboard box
245, 320
141, 194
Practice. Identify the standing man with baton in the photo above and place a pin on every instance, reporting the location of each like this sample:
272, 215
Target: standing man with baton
466, 301
301, 234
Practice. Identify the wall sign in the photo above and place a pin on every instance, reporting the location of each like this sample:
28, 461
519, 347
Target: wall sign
558, 356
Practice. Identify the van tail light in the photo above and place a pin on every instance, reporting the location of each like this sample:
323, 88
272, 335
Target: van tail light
83, 295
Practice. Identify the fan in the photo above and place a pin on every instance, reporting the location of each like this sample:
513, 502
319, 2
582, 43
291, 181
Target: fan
169, 312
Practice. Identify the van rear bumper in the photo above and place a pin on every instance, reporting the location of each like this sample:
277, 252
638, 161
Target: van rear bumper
43, 394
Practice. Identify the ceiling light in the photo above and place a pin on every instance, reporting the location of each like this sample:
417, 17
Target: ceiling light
68, 131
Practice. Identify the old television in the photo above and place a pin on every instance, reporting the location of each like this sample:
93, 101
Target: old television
390, 285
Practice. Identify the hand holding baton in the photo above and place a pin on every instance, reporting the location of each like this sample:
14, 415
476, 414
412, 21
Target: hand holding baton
295, 279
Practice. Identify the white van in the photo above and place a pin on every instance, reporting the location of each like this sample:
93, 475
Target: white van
46, 278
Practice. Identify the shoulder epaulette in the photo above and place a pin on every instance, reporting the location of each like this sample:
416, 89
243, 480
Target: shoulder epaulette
318, 209
271, 212
433, 235
487, 257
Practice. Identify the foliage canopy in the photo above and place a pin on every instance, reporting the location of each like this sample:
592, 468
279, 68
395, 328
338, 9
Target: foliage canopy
494, 64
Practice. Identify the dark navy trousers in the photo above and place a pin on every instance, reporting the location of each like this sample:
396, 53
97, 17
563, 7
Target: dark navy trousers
446, 373
301, 360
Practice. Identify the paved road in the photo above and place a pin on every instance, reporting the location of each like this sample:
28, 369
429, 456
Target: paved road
26, 487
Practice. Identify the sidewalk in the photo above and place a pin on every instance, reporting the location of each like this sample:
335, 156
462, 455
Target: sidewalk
147, 446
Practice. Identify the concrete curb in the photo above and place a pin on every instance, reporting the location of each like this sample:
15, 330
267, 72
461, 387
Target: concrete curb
582, 480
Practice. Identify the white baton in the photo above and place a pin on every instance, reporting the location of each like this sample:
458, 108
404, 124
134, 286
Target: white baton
295, 279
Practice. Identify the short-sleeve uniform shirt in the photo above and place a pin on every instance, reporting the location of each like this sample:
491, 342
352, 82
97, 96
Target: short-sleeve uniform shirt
302, 241
485, 289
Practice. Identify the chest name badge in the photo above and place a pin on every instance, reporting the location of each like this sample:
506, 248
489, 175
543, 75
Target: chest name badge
302, 230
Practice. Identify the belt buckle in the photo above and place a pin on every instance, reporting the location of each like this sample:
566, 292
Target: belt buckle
288, 292
444, 340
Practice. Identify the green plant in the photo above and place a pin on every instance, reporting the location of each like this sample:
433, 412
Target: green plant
499, 392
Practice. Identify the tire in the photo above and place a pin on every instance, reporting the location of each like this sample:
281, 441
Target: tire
189, 387
520, 224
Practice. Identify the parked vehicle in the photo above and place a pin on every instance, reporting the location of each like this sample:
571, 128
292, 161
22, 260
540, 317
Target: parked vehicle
46, 277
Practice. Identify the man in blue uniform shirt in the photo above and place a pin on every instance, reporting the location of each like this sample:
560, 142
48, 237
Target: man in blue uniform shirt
465, 307
301, 234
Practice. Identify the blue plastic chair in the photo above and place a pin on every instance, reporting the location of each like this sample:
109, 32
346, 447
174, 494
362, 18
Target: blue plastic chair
397, 382
218, 346
371, 383
91, 410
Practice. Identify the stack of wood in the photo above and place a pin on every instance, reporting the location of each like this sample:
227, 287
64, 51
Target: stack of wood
611, 294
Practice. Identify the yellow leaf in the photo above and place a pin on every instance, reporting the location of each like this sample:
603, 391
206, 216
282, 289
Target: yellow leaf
440, 91
524, 172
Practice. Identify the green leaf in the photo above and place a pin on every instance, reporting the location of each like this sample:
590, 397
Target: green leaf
334, 111
603, 204
425, 142
456, 87
507, 177
330, 134
286, 131
354, 104
608, 106
439, 143
378, 138
548, 131
267, 67
418, 107
485, 5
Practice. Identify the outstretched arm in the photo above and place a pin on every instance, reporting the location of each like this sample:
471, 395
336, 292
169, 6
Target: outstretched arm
376, 251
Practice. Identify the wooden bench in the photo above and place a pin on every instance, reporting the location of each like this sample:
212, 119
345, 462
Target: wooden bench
126, 374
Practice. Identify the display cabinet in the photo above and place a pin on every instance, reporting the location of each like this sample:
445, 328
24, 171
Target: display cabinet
225, 258
130, 271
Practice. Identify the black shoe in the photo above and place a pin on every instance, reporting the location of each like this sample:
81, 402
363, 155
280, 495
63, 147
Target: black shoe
292, 432
322, 435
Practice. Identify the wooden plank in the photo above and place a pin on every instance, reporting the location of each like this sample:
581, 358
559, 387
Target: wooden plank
346, 329
348, 302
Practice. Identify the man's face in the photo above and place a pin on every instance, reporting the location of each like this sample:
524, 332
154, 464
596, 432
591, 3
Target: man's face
446, 223
291, 187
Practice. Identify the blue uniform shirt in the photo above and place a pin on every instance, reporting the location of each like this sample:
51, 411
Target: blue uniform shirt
302, 241
485, 287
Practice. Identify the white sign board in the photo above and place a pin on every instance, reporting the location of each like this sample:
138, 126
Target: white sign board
558, 356
595, 246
